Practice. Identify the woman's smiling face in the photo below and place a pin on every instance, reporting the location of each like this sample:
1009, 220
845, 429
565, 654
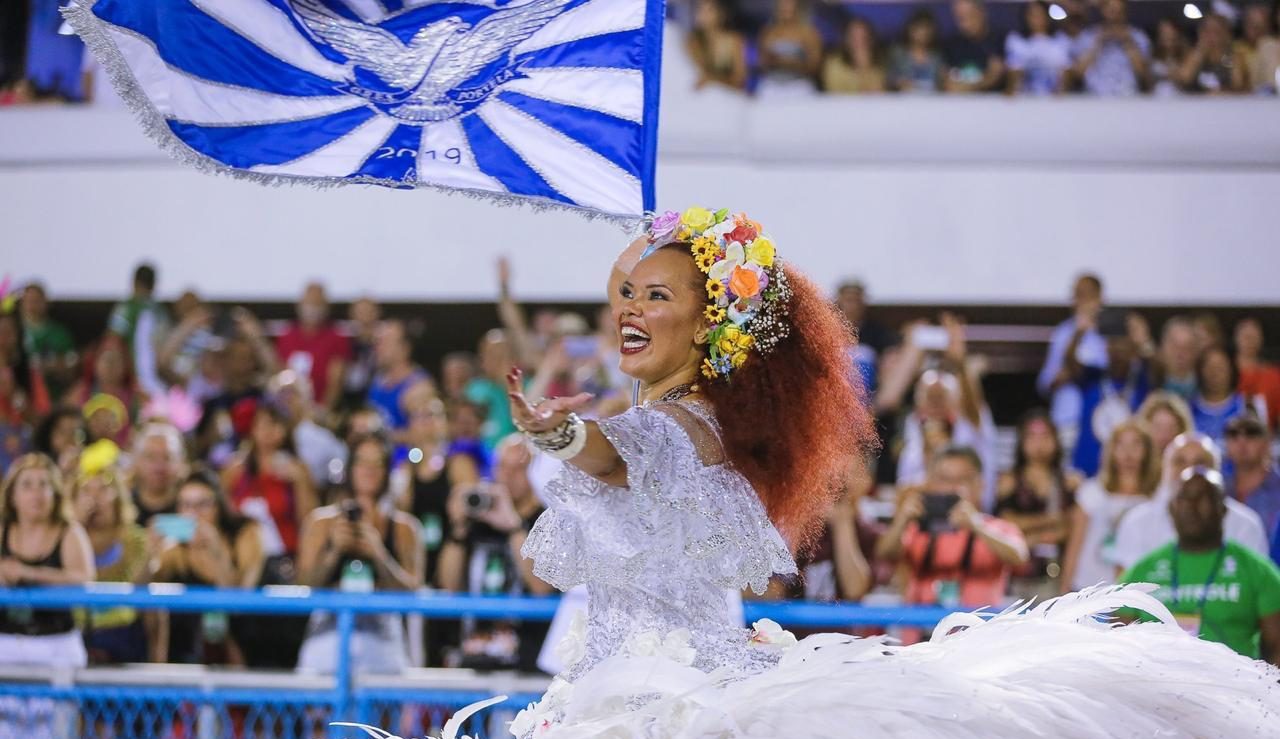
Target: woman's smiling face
660, 316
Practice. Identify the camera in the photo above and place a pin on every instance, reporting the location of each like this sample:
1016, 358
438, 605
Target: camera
937, 511
477, 501
351, 510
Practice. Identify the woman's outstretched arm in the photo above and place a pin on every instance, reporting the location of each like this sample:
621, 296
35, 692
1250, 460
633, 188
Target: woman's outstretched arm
598, 458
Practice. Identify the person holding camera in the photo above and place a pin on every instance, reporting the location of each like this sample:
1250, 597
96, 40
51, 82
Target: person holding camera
212, 546
361, 544
489, 523
955, 554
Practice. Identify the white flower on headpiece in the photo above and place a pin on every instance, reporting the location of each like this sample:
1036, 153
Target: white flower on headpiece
720, 229
741, 317
766, 632
734, 256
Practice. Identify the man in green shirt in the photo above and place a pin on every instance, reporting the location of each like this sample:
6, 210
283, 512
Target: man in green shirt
1217, 589
46, 341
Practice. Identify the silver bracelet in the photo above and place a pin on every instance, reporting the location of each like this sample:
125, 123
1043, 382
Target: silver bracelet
563, 442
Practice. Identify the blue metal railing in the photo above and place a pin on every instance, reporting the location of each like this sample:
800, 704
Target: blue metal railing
287, 712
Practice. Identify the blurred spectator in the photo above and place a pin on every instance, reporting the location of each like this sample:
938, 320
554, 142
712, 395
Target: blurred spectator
489, 390
975, 62
1207, 330
1177, 357
397, 376
1258, 379
121, 553
364, 317
269, 484
1112, 57
1217, 589
19, 385
214, 546
435, 465
790, 51
110, 377
141, 322
1108, 396
457, 369
312, 347
1166, 416
1055, 381
1259, 46
489, 524
1218, 399
956, 555
719, 52
40, 544
159, 465
1129, 476
60, 436
360, 545
851, 299
190, 353
1171, 49
47, 343
857, 66
836, 566
1035, 496
949, 407
316, 445
1148, 526
1214, 66
105, 417
247, 362
1036, 57
53, 60
1254, 480
916, 64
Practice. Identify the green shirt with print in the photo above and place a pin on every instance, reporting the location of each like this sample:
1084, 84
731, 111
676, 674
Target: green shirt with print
1245, 589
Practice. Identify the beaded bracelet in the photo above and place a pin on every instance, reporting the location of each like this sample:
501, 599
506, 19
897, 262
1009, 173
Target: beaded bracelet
563, 442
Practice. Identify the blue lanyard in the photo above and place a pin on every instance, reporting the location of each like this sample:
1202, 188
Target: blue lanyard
1213, 575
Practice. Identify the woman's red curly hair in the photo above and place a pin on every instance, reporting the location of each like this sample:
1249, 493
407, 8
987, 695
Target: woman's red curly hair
795, 422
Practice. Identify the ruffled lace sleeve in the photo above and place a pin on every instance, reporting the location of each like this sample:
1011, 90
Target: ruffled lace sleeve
677, 511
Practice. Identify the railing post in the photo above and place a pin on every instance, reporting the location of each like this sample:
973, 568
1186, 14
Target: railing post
344, 684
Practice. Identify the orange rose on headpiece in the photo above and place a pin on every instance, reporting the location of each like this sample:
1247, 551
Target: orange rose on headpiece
744, 283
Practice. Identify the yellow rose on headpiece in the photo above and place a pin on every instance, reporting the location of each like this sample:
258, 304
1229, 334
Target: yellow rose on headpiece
738, 359
698, 219
761, 251
745, 341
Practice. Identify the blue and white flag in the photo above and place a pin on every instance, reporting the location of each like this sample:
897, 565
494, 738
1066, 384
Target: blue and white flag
553, 102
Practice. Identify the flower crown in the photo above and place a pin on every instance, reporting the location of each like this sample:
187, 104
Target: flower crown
746, 285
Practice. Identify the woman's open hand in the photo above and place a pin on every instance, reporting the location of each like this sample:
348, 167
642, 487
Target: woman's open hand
543, 415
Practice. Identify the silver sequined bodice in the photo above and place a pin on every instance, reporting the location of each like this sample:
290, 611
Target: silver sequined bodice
661, 554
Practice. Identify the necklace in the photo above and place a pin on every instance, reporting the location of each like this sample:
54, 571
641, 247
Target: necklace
678, 392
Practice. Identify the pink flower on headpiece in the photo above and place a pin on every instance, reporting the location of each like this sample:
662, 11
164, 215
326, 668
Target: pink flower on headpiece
663, 226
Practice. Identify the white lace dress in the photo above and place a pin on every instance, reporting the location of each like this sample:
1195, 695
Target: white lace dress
658, 655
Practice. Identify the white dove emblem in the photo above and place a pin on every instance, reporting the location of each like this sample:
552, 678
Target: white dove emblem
421, 78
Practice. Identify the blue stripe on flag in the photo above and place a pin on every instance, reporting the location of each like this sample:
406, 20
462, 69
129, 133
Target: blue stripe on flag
615, 139
185, 36
270, 143
621, 50
496, 159
386, 162
654, 22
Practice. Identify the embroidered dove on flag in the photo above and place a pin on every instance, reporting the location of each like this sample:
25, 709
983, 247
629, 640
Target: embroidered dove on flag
551, 102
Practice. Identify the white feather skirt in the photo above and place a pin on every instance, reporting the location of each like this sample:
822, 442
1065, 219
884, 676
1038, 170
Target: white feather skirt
1060, 670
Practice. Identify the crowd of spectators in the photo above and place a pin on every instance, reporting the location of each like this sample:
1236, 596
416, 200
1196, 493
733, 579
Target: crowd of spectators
191, 443
798, 48
1064, 47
